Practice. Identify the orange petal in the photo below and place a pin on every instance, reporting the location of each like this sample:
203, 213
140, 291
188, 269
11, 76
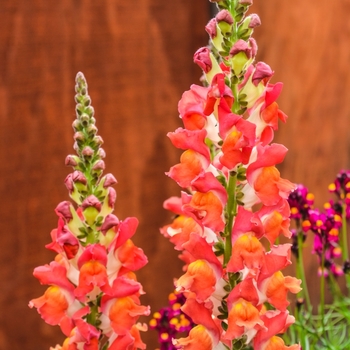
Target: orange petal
52, 305
198, 339
124, 313
207, 208
277, 343
199, 279
243, 317
247, 251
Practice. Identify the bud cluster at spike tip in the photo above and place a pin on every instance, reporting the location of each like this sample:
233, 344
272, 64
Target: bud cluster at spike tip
233, 206
93, 293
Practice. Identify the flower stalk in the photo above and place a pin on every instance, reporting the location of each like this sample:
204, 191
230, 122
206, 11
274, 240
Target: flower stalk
233, 196
93, 293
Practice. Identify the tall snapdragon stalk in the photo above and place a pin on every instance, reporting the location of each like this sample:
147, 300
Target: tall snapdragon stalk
93, 294
233, 206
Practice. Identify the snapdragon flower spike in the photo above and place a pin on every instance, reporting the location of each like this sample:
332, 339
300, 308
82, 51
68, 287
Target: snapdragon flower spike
326, 240
233, 205
93, 294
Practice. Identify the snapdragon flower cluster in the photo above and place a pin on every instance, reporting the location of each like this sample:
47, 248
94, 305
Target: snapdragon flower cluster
93, 293
170, 322
327, 327
233, 206
329, 243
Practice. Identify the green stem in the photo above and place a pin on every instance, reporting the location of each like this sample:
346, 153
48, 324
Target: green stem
322, 291
301, 272
344, 244
231, 211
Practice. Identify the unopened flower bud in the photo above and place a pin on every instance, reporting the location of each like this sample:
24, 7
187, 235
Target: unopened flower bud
75, 183
63, 210
87, 151
91, 208
109, 180
79, 109
78, 176
254, 21
206, 60
76, 125
71, 160
112, 196
262, 72
79, 136
109, 222
98, 140
224, 20
89, 111
99, 165
84, 118
241, 53
108, 202
91, 129
246, 28
101, 153
202, 58
211, 28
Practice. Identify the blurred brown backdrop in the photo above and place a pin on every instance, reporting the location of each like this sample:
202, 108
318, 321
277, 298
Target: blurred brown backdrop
137, 58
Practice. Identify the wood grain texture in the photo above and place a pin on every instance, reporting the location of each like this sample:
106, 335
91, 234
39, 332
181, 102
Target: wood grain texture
138, 61
307, 45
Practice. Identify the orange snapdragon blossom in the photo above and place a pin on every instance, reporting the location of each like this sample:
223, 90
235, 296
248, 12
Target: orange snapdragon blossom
233, 206
93, 294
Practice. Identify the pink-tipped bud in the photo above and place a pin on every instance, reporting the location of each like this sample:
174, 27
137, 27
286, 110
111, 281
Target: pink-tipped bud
79, 136
91, 201
202, 58
91, 129
240, 46
224, 16
110, 180
75, 178
69, 183
109, 222
112, 196
254, 47
262, 72
63, 211
91, 207
87, 151
211, 28
242, 53
99, 165
254, 21
76, 125
78, 176
98, 140
225, 22
101, 153
71, 160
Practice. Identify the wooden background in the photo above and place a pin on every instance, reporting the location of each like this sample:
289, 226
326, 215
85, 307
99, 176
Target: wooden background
137, 58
